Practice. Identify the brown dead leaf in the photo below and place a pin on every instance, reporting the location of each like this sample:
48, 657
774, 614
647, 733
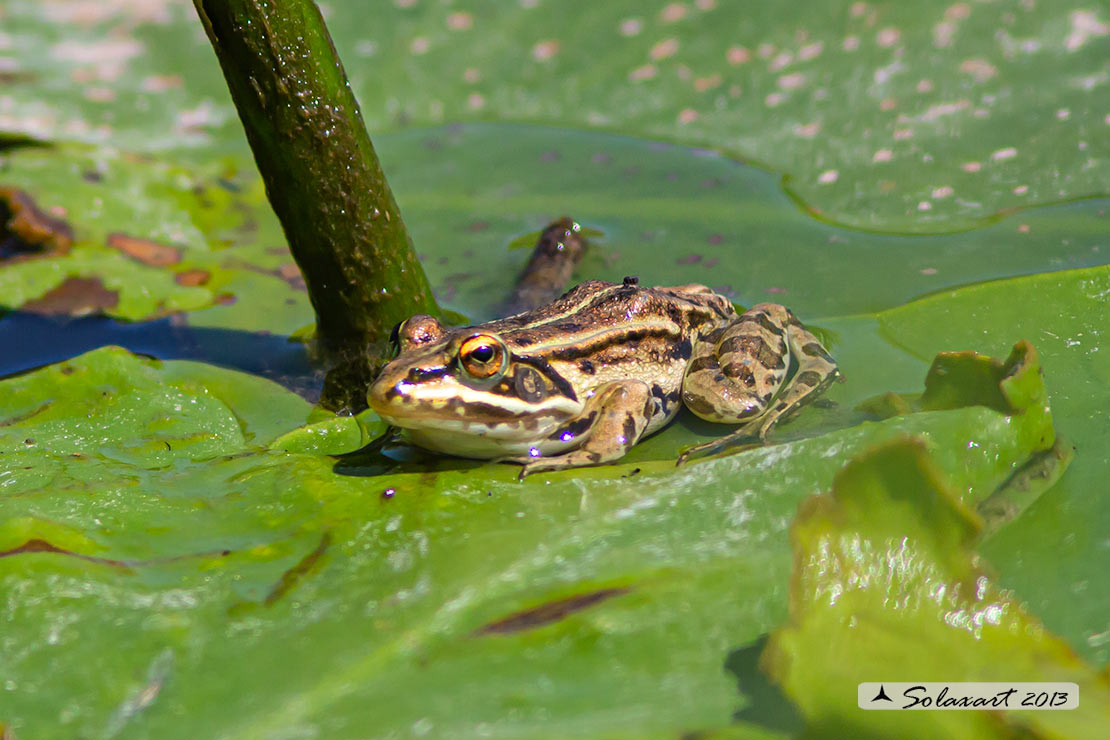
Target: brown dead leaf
144, 250
74, 297
192, 278
33, 229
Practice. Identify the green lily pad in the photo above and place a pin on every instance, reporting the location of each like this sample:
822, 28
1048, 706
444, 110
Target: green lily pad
112, 405
625, 586
920, 117
886, 587
1052, 555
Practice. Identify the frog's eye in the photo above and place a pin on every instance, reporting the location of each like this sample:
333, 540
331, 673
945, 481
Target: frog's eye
482, 356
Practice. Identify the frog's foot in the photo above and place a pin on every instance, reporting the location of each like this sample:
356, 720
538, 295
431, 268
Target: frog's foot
746, 437
620, 413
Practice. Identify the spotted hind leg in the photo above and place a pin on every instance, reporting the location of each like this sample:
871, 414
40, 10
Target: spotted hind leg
738, 370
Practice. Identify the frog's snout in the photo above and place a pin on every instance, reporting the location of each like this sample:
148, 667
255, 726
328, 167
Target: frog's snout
385, 392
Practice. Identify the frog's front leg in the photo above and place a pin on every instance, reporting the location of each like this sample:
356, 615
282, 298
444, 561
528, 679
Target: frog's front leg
738, 368
617, 416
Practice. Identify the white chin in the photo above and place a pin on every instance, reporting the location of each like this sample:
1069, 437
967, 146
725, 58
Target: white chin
482, 447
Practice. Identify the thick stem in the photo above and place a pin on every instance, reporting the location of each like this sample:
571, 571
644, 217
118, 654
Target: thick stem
322, 176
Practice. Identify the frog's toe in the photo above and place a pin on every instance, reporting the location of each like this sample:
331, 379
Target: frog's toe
538, 465
527, 469
699, 451
531, 465
695, 451
762, 430
685, 456
742, 438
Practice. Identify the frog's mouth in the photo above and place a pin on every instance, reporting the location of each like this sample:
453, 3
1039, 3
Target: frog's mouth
393, 396
393, 401
453, 412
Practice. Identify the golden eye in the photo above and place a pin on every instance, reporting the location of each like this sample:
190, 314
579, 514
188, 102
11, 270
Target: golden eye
482, 356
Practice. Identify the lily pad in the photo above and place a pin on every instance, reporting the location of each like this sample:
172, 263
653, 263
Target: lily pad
145, 585
921, 117
1052, 555
383, 589
114, 406
150, 239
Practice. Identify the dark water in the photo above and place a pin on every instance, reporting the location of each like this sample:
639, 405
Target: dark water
30, 340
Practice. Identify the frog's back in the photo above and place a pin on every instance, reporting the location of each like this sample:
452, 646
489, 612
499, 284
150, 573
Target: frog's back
601, 332
596, 307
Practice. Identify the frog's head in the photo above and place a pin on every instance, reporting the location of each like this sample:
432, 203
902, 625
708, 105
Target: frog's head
451, 383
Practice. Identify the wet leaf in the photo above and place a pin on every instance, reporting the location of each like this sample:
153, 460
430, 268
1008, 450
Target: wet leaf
159, 237
111, 405
332, 435
1051, 555
886, 581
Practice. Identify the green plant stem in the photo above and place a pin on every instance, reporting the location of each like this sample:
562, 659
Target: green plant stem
322, 176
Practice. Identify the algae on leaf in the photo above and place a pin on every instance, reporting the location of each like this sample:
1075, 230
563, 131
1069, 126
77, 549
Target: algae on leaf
150, 238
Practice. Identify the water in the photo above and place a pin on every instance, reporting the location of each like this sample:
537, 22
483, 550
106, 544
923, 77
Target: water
31, 340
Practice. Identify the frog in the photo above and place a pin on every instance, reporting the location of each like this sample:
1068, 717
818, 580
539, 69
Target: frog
581, 380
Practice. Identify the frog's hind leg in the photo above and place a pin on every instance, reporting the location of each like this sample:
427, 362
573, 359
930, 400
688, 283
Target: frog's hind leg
737, 370
619, 413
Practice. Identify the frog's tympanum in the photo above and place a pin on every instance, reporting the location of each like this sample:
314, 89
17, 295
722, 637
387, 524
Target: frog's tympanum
582, 379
